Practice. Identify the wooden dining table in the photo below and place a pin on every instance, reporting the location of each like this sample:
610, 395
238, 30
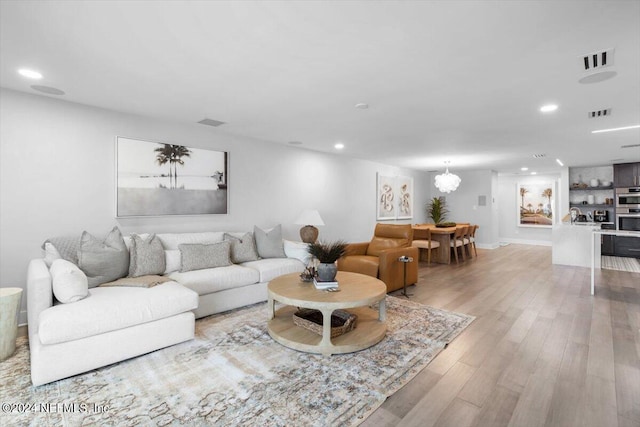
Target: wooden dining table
443, 235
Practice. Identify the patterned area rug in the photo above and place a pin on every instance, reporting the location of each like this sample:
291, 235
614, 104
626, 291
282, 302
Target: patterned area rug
234, 374
621, 263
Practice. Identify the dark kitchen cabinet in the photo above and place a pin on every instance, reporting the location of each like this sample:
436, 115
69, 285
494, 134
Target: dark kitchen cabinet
626, 175
627, 246
608, 247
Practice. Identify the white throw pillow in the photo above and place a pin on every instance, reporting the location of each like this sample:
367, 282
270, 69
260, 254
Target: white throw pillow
297, 250
50, 254
70, 284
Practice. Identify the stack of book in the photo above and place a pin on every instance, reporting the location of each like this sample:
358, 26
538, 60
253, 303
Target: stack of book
324, 285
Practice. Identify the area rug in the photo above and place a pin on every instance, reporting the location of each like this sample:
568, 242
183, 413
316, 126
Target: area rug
621, 264
234, 374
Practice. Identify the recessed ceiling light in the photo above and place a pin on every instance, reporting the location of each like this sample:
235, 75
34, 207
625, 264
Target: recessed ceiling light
524, 169
339, 146
30, 74
560, 162
548, 108
362, 106
534, 173
615, 129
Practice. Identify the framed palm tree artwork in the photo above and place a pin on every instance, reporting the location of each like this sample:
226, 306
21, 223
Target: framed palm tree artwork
155, 178
535, 204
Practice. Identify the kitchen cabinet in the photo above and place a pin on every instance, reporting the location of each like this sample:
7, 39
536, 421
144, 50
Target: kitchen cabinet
608, 247
626, 175
627, 247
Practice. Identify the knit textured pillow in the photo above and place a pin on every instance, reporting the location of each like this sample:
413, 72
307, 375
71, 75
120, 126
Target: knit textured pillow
198, 256
147, 256
243, 249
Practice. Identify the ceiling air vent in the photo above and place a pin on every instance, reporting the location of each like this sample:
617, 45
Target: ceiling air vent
539, 156
597, 60
211, 122
599, 113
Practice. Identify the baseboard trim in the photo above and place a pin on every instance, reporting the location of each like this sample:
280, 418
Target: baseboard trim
487, 245
526, 242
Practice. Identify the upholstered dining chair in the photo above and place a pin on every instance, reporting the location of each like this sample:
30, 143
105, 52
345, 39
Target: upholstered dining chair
457, 241
379, 257
425, 244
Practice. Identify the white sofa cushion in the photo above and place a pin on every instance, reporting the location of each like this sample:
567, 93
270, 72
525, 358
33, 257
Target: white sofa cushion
110, 309
69, 283
217, 279
271, 268
172, 240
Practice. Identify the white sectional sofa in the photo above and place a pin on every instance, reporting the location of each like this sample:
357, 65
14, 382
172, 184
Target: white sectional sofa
116, 323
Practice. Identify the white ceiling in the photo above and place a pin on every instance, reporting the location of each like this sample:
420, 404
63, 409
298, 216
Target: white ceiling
445, 80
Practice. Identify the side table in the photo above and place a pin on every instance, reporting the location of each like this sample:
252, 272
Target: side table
10, 299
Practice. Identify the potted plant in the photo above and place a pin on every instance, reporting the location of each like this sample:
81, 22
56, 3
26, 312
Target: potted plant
327, 254
437, 209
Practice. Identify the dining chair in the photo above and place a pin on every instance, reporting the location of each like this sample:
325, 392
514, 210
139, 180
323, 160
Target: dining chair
472, 240
424, 243
458, 242
466, 240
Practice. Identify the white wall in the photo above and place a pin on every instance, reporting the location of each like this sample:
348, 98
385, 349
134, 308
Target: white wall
57, 177
463, 204
509, 230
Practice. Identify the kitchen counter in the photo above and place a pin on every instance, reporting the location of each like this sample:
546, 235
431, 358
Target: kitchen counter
571, 244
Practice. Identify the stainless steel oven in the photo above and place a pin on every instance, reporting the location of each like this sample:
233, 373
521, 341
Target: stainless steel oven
628, 219
628, 198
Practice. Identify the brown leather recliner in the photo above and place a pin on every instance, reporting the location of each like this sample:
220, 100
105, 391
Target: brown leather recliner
379, 257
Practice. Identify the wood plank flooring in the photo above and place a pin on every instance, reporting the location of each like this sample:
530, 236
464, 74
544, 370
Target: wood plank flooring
541, 352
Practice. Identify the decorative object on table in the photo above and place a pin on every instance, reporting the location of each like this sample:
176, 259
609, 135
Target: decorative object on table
394, 197
447, 182
327, 254
308, 274
535, 204
10, 299
324, 285
341, 321
446, 224
437, 209
309, 218
167, 179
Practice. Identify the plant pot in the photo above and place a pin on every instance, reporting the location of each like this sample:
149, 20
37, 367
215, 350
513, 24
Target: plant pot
327, 272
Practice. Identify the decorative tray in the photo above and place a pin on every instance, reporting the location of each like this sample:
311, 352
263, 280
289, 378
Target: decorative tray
341, 321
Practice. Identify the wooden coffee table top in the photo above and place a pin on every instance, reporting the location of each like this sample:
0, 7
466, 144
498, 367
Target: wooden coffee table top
355, 290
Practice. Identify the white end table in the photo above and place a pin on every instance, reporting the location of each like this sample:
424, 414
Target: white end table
10, 299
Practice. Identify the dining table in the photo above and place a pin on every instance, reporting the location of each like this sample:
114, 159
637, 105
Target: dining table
443, 235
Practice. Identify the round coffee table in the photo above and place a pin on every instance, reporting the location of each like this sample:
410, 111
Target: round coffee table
357, 292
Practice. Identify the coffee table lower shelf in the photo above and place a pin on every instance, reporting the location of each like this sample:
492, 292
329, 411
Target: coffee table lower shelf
369, 331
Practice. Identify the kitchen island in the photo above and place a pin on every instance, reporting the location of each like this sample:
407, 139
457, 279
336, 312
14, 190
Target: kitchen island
571, 244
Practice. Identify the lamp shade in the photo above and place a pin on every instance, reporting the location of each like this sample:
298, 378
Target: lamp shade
309, 217
447, 182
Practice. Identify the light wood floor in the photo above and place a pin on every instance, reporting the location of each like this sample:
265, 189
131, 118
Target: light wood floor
541, 352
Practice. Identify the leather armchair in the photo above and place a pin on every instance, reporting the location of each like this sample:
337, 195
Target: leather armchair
379, 257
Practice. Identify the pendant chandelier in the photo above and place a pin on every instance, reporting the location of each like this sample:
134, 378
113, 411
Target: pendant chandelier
447, 182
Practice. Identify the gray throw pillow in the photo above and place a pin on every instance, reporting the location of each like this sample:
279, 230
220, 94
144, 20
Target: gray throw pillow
103, 261
199, 256
243, 249
147, 256
67, 247
269, 244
